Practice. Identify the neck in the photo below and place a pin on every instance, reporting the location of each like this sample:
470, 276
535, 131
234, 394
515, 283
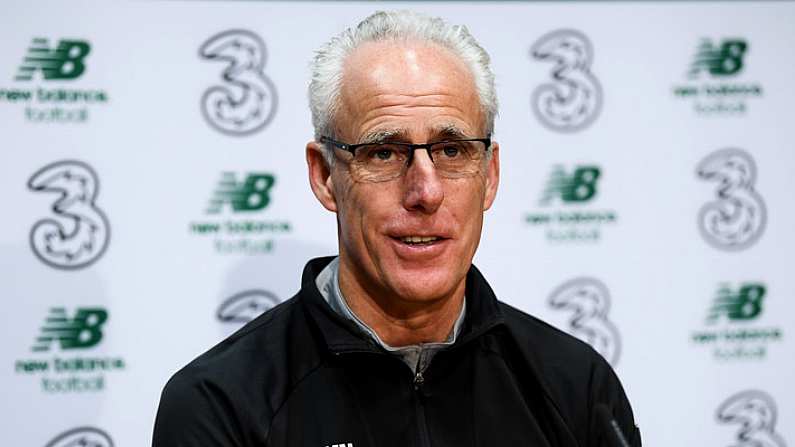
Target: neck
397, 321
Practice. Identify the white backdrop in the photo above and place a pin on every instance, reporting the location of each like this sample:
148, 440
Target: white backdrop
652, 214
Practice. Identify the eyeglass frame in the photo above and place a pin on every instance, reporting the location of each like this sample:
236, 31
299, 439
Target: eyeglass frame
411, 146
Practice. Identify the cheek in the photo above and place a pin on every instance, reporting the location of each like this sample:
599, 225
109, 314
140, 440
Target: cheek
346, 205
466, 207
362, 206
466, 200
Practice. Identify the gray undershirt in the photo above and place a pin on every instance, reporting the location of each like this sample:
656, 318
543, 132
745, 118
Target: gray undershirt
417, 357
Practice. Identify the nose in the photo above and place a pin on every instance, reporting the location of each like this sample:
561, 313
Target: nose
423, 189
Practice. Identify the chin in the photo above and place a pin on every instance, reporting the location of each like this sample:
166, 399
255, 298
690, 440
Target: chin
425, 284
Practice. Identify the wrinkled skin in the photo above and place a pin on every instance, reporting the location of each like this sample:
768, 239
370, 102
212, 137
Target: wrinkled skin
407, 293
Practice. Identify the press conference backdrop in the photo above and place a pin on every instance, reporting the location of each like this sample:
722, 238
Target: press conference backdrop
155, 198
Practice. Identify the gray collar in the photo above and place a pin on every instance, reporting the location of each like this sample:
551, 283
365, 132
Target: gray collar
417, 357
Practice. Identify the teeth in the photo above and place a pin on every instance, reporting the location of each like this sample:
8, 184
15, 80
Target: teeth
418, 239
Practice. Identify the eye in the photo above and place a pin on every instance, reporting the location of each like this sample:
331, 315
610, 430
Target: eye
453, 149
383, 154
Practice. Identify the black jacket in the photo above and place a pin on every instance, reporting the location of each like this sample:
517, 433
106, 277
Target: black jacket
302, 376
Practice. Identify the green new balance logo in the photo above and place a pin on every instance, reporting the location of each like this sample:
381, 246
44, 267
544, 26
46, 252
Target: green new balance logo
579, 186
253, 194
741, 336
723, 60
63, 63
81, 332
574, 219
244, 231
743, 304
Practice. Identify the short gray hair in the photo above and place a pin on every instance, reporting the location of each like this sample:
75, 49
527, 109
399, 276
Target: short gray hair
328, 63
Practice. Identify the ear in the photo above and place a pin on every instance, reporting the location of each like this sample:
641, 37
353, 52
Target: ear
492, 176
320, 176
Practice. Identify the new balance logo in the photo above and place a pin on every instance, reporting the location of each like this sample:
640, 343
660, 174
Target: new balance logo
64, 62
577, 187
81, 332
725, 59
742, 304
253, 194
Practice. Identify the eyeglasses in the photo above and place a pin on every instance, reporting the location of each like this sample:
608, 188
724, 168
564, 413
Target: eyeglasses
380, 162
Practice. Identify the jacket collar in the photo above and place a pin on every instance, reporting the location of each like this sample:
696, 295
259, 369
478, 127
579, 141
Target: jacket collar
341, 335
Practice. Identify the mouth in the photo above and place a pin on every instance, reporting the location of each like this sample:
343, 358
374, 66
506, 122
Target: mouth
420, 247
419, 240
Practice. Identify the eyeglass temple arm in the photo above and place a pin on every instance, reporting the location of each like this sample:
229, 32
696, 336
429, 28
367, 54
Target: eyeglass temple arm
346, 147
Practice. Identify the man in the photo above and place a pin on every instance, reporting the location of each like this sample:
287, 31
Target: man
399, 341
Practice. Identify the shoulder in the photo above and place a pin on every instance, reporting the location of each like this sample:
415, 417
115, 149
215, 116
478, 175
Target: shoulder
240, 382
573, 375
254, 349
549, 345
563, 360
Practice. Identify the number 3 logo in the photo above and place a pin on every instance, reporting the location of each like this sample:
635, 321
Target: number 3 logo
588, 301
736, 220
78, 233
573, 100
246, 102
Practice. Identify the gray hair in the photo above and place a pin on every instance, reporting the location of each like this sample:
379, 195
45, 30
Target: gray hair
328, 63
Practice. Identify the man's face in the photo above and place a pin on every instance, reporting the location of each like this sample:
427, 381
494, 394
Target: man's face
415, 93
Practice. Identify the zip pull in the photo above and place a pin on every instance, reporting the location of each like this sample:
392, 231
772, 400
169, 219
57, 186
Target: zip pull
418, 380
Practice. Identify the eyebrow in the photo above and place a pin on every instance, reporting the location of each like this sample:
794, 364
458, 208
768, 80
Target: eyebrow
383, 135
440, 133
449, 131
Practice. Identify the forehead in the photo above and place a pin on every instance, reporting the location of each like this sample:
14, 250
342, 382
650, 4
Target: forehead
416, 88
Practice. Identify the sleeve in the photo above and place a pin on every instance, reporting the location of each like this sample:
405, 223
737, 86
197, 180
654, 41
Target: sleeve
194, 413
617, 420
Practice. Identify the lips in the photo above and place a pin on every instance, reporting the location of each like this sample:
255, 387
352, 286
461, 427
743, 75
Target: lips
413, 240
420, 243
420, 237
421, 249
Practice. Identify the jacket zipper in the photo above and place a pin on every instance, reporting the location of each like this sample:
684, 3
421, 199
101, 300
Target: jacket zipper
419, 405
417, 382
